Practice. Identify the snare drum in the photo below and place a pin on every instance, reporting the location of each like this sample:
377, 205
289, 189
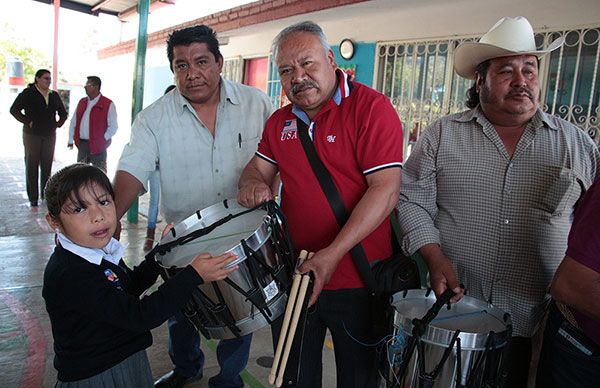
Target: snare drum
252, 296
473, 334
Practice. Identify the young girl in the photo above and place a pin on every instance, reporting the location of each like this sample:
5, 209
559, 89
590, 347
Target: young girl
100, 326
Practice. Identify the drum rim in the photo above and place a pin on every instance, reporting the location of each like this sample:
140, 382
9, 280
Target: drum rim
261, 234
441, 336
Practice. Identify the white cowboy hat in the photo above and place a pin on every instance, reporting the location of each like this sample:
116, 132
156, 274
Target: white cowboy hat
509, 36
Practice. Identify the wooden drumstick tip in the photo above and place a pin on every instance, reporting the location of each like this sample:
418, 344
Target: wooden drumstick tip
290, 314
301, 258
284, 327
293, 324
286, 318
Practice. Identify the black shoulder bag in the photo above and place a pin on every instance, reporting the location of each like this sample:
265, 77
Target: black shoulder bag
386, 277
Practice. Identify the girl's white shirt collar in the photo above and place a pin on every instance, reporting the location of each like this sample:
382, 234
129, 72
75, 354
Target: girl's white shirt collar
112, 252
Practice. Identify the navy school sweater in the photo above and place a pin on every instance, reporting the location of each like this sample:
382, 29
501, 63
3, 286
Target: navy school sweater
97, 317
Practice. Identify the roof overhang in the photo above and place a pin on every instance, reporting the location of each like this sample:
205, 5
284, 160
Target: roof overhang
123, 9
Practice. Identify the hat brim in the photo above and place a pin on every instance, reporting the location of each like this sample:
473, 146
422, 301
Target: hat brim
469, 55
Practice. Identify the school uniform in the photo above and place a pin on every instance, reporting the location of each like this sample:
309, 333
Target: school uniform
98, 319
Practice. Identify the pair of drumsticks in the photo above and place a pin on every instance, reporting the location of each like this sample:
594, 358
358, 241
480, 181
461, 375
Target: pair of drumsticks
290, 320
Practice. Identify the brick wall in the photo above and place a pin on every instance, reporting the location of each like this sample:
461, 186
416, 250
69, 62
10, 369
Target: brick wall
245, 15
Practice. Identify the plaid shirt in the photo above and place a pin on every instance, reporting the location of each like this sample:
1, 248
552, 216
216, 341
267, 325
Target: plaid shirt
502, 222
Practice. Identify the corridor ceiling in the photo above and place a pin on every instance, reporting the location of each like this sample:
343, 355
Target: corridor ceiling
120, 8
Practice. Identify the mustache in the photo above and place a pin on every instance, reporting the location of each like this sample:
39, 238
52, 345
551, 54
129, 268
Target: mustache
521, 90
303, 86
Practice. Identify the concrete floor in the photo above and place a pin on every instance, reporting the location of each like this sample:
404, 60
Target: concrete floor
26, 242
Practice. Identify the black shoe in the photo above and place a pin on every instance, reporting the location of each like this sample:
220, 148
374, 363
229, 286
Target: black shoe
175, 380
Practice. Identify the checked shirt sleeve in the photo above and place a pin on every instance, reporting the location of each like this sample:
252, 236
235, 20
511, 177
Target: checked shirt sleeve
417, 207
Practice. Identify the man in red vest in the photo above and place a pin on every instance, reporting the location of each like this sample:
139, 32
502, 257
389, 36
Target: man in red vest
93, 125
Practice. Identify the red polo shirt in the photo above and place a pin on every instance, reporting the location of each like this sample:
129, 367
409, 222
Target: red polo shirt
355, 133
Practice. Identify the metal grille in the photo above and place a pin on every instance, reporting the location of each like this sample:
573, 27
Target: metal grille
573, 84
419, 79
274, 90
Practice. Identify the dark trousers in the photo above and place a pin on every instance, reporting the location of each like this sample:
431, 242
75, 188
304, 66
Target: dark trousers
518, 362
568, 358
347, 315
84, 156
39, 153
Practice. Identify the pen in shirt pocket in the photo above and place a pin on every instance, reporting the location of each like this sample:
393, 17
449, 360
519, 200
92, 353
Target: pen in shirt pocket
240, 140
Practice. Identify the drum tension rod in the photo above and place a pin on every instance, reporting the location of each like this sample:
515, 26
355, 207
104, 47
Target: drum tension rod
219, 312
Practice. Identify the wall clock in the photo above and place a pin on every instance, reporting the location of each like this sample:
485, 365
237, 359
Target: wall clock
347, 49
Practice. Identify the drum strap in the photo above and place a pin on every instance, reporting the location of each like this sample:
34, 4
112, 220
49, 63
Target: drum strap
419, 327
332, 194
282, 243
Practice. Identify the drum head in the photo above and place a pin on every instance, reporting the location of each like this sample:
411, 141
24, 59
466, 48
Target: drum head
473, 317
225, 238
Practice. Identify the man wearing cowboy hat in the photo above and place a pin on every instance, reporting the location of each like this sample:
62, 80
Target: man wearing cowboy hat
488, 194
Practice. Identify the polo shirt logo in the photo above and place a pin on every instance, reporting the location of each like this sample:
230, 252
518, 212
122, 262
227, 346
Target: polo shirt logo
290, 130
331, 138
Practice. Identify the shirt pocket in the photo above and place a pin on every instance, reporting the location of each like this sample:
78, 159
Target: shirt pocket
246, 147
562, 190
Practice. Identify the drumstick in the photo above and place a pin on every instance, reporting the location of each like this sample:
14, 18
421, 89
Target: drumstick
286, 318
294, 323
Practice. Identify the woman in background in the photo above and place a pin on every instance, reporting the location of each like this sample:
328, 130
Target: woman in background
37, 107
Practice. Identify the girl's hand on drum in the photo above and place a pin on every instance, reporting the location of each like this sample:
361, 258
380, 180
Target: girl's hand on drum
214, 268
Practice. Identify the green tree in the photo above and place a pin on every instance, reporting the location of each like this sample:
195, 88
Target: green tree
32, 59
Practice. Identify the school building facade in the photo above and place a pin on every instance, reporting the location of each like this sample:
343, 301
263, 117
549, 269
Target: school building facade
402, 48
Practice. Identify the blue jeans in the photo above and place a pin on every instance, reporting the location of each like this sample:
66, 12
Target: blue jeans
563, 360
154, 188
186, 355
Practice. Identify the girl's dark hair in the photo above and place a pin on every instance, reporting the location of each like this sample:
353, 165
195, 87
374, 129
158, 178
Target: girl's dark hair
66, 185
195, 34
472, 94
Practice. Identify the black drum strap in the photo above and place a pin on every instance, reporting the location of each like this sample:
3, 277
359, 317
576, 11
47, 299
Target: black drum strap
426, 379
283, 246
419, 327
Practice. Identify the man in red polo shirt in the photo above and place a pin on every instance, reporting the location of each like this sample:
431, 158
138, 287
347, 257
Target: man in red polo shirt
358, 136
